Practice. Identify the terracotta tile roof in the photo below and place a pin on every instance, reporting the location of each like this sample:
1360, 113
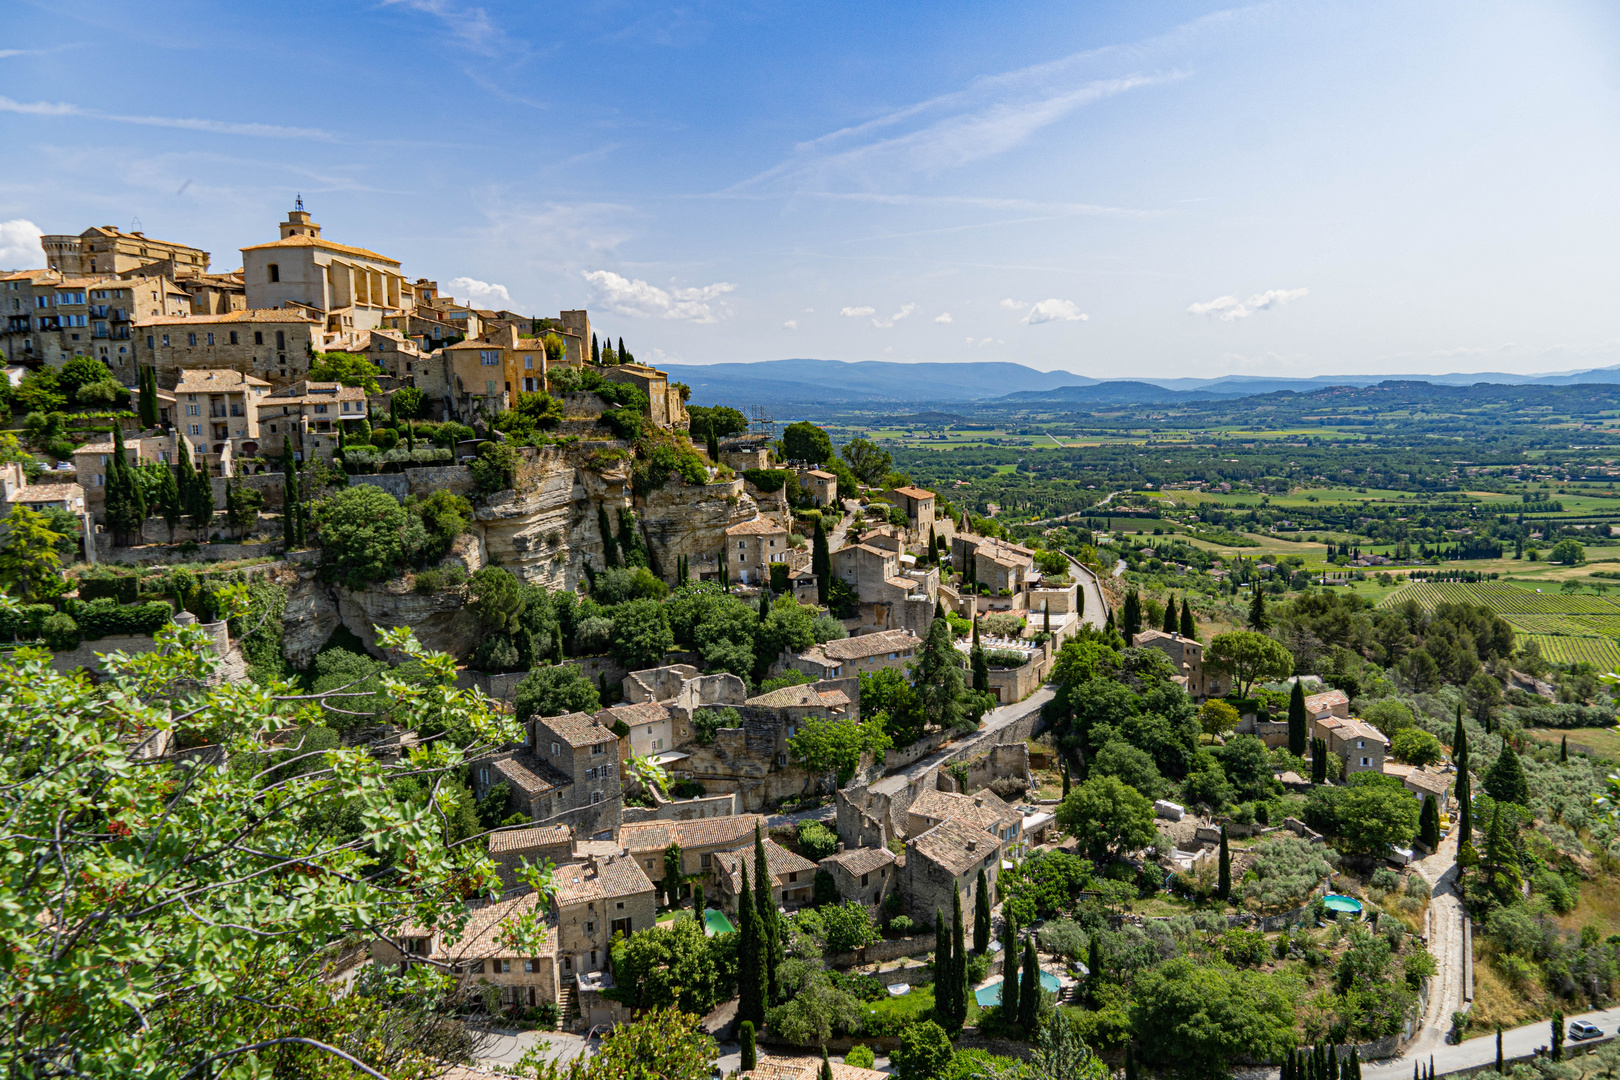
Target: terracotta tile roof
528, 839
316, 242
1321, 703
321, 392
1352, 728
530, 775
914, 492
577, 729
778, 859
643, 836
250, 315
821, 474
611, 876
646, 712
789, 697
862, 860
214, 380
776, 1067
833, 699
38, 493
983, 809
884, 641
478, 938
1001, 550
760, 526
955, 846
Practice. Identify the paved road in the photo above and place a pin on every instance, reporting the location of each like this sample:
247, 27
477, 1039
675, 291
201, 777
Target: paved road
1519, 1042
504, 1046
1446, 992
1096, 604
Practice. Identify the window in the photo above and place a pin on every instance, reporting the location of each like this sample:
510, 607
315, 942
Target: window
320, 408
864, 877
506, 967
590, 928
165, 341
191, 339
793, 875
210, 339
1366, 761
598, 748
274, 271
196, 429
233, 338
528, 363
554, 750
621, 905
489, 357
281, 340
193, 410
476, 967
530, 966
149, 341
596, 797
258, 337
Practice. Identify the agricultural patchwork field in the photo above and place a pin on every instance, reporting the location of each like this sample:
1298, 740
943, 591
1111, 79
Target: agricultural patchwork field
1567, 627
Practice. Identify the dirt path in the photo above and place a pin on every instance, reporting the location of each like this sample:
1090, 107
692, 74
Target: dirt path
1445, 945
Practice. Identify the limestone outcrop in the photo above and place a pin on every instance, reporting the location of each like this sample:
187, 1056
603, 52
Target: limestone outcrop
441, 620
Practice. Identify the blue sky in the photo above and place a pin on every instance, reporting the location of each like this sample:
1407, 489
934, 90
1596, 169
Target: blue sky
1113, 189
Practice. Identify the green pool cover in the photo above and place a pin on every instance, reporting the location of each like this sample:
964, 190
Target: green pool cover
991, 995
716, 922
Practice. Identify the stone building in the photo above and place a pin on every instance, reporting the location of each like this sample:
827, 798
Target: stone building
596, 898
104, 249
700, 841
478, 958
819, 486
534, 788
539, 844
851, 656
918, 506
1358, 743
309, 414
1005, 569
50, 318
982, 810
217, 412
891, 598
214, 294
793, 877
651, 726
666, 408
1330, 703
39, 497
865, 874
947, 856
273, 345
1187, 656
580, 748
751, 546
350, 289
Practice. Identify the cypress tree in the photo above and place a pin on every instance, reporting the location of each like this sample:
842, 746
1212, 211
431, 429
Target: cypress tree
1318, 761
826, 1066
1009, 969
1169, 626
751, 981
1065, 775
698, 904
770, 929
1465, 784
126, 503
148, 404
821, 562
1499, 1065
981, 914
1297, 733
764, 600
958, 986
1259, 621
289, 496
1029, 994
1046, 614
556, 643
713, 447
168, 499
1506, 782
1093, 967
1558, 1035
750, 1056
624, 355
1189, 628
1223, 887
1563, 749
933, 546
1131, 621
200, 501
1429, 823
596, 350
942, 967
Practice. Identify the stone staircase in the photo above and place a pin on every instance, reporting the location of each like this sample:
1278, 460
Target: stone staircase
570, 1007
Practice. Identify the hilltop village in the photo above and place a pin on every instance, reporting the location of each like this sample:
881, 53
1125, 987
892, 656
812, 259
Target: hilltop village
635, 707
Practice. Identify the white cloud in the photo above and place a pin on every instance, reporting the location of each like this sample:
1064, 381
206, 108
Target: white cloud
472, 26
1014, 305
19, 245
1230, 308
218, 127
791, 324
857, 312
943, 317
481, 293
1054, 310
629, 296
896, 317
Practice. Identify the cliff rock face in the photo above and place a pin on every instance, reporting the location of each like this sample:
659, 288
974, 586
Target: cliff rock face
441, 620
310, 618
529, 531
680, 519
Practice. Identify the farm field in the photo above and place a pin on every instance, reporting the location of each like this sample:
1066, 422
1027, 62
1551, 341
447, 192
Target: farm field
1598, 742
1568, 628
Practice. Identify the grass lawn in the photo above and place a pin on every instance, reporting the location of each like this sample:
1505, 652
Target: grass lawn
1598, 742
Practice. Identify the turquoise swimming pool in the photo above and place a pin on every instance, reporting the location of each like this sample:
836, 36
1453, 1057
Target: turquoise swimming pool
991, 995
716, 922
1342, 905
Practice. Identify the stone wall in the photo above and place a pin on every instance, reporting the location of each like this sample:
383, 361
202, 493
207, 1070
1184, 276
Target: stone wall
888, 949
708, 806
163, 555
421, 481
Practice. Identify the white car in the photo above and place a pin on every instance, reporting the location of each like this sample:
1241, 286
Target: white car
1581, 1030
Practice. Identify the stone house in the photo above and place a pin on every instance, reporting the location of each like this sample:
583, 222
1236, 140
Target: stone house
854, 655
947, 856
1005, 569
891, 597
40, 497
793, 877
217, 412
597, 898
538, 844
475, 379
1421, 782
918, 506
1187, 656
104, 249
47, 317
819, 486
309, 414
214, 294
866, 874
478, 958
700, 841
395, 355
666, 409
1358, 743
580, 748
1330, 703
272, 344
349, 288
534, 788
650, 724
91, 462
983, 810
750, 450
751, 546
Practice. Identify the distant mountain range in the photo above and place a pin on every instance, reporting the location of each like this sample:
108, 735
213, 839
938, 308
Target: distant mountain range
786, 383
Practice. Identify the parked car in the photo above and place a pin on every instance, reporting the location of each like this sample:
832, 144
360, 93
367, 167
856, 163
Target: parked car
1583, 1029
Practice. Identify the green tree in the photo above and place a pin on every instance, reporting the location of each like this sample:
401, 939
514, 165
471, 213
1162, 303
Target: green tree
1259, 618
30, 564
1009, 970
125, 501
767, 921
147, 405
752, 981
1029, 989
672, 875
674, 965
749, 1055
1108, 817
241, 507
495, 468
1216, 717
956, 992
869, 462
788, 625
1131, 765
554, 691
1197, 1019
641, 634
1415, 747
835, 745
1429, 823
1189, 626
981, 914
804, 441
1568, 552
168, 499
1506, 780
1169, 626
1370, 814
365, 535
1131, 619
821, 562
668, 1044
849, 926
350, 369
199, 499
497, 599
937, 676
924, 1052
1223, 886
1297, 720
1249, 657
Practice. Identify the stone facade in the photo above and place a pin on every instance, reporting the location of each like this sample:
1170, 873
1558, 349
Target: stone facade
947, 856
1187, 655
793, 877
272, 345
1358, 743
50, 318
867, 874
596, 898
478, 958
348, 288
700, 841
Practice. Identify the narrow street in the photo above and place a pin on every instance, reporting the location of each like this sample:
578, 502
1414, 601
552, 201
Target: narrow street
1446, 942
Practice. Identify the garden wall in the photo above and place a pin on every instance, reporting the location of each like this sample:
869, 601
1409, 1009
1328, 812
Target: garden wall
165, 555
888, 949
709, 806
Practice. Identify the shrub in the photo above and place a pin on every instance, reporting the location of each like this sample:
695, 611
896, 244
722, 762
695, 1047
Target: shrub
1284, 872
123, 589
901, 925
105, 616
705, 722
495, 469
768, 481
861, 1057
688, 789
24, 622
1006, 658
816, 841
624, 423
61, 633
429, 581
825, 628
1064, 937
385, 439
613, 587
